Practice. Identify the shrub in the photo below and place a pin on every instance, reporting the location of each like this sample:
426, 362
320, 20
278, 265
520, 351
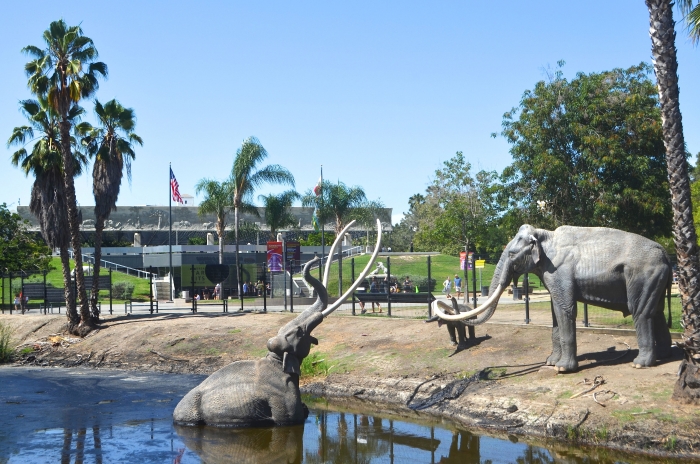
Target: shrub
122, 290
5, 335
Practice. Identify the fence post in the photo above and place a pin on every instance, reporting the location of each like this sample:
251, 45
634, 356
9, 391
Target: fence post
352, 278
240, 285
291, 286
668, 298
21, 291
388, 285
264, 269
2, 302
194, 305
45, 298
110, 291
150, 287
526, 288
12, 304
430, 289
585, 314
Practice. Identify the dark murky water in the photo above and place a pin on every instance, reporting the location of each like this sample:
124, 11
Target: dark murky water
87, 416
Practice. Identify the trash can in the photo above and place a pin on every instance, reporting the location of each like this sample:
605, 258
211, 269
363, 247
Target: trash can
186, 294
517, 293
484, 290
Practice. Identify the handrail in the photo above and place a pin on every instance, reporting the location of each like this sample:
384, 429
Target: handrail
114, 266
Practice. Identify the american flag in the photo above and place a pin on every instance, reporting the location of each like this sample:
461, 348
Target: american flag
175, 187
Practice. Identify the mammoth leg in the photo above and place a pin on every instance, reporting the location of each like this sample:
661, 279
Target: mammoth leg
451, 330
662, 335
565, 315
556, 342
647, 314
461, 332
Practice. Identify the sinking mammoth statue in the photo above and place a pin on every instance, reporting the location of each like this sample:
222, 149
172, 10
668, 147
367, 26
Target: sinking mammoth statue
605, 267
266, 391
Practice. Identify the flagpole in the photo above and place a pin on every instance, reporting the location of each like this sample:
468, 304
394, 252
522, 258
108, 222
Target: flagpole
323, 227
170, 232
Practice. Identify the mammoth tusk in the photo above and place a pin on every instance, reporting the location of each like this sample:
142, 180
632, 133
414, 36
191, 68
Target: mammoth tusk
364, 273
332, 250
461, 316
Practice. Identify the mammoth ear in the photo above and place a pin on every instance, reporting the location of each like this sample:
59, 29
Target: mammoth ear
535, 249
290, 364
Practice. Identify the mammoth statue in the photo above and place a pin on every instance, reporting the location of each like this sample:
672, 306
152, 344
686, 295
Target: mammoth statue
266, 391
456, 329
605, 267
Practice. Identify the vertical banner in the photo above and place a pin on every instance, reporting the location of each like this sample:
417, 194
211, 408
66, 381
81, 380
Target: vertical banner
470, 261
274, 256
293, 255
462, 259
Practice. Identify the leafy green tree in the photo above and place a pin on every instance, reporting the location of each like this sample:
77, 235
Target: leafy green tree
111, 145
65, 72
589, 152
20, 250
218, 197
458, 208
663, 48
246, 176
278, 213
402, 236
44, 161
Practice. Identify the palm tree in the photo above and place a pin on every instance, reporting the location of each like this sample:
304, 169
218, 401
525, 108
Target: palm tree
66, 71
665, 66
277, 210
339, 202
692, 18
246, 176
111, 145
217, 201
47, 201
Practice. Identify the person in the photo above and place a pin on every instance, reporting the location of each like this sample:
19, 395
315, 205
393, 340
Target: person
446, 286
245, 288
217, 291
406, 285
458, 286
261, 287
362, 303
17, 302
206, 293
373, 288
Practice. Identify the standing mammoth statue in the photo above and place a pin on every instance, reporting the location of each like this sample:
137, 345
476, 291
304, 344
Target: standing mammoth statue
605, 267
266, 391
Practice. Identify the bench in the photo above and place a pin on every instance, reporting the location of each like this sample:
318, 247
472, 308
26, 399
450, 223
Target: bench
422, 297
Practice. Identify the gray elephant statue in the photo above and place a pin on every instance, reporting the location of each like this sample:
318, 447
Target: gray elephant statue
266, 391
605, 267
456, 329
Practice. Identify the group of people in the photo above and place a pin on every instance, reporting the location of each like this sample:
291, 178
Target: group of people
447, 286
255, 289
386, 286
21, 302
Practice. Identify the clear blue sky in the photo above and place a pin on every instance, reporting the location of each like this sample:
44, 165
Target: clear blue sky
380, 93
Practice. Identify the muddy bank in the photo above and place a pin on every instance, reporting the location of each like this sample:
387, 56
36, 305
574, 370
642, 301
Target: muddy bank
498, 385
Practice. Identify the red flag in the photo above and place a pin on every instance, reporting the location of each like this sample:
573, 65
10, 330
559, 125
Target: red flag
317, 189
175, 188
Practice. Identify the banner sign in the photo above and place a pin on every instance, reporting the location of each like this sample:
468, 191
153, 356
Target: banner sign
293, 252
462, 259
274, 256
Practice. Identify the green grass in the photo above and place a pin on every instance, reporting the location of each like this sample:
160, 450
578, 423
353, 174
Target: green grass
315, 365
6, 352
55, 278
441, 266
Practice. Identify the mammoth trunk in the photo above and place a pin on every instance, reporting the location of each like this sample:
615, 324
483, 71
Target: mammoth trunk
501, 277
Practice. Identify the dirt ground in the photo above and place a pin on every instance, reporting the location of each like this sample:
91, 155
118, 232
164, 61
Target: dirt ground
498, 385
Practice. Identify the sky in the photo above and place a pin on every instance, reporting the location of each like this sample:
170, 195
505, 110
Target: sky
378, 93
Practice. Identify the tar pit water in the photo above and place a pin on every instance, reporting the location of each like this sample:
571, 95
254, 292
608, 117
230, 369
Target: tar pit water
99, 416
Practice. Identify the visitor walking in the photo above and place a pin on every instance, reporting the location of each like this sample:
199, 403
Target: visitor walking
446, 286
458, 286
373, 288
17, 302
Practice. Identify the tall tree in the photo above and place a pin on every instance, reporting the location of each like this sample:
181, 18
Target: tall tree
47, 201
66, 71
20, 250
278, 213
340, 203
589, 152
246, 176
458, 208
111, 145
663, 48
218, 197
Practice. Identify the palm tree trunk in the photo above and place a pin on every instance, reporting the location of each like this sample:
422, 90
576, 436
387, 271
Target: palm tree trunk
99, 227
666, 66
220, 230
73, 318
238, 267
73, 225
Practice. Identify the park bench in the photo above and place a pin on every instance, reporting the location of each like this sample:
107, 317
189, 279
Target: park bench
409, 297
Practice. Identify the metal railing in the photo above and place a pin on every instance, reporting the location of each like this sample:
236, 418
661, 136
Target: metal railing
87, 258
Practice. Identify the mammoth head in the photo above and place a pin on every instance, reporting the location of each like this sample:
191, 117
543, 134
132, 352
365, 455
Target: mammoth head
524, 251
